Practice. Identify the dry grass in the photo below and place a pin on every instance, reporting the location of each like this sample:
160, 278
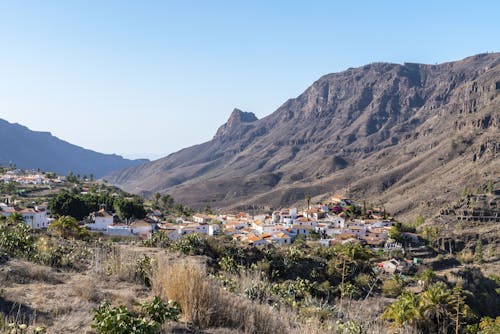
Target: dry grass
88, 291
205, 304
22, 272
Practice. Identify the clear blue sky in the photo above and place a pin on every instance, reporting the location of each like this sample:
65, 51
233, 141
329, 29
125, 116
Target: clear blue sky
151, 77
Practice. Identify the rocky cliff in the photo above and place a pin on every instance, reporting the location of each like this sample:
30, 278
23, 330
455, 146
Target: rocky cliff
411, 136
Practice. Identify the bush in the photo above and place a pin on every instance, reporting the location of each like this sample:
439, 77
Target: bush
392, 288
17, 239
120, 320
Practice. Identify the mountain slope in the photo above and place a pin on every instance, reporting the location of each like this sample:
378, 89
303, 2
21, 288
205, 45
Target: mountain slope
32, 149
411, 135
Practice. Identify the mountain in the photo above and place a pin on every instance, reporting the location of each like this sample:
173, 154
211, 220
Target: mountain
33, 149
409, 136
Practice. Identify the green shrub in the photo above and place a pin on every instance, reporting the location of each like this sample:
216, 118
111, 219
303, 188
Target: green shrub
17, 239
143, 270
120, 320
392, 288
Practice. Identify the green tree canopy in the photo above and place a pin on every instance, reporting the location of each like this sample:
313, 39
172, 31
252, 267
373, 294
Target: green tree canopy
129, 208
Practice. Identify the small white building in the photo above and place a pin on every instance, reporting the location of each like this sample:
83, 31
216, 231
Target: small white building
301, 229
201, 218
35, 218
213, 229
281, 238
119, 229
142, 227
100, 220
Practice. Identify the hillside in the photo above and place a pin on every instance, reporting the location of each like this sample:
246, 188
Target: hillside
411, 136
32, 149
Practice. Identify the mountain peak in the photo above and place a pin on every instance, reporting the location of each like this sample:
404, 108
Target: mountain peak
236, 124
241, 116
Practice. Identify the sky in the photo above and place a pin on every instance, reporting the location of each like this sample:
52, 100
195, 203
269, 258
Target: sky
147, 78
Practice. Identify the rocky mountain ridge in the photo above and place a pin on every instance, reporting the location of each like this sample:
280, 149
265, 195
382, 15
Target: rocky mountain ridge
411, 136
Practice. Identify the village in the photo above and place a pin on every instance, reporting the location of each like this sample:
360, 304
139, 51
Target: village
33, 177
327, 223
336, 220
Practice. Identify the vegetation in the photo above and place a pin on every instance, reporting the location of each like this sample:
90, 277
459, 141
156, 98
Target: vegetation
67, 226
120, 320
220, 283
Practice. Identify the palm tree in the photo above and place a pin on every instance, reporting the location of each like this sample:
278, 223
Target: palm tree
67, 226
436, 304
428, 276
404, 311
15, 218
308, 201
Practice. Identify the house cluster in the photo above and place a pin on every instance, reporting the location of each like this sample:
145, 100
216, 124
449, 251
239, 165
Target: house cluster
29, 177
109, 224
35, 217
330, 221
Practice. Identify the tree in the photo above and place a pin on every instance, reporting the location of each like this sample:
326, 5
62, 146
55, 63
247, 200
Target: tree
428, 276
69, 204
156, 198
404, 311
129, 208
67, 226
72, 178
207, 210
17, 239
167, 202
15, 218
478, 251
396, 232
436, 304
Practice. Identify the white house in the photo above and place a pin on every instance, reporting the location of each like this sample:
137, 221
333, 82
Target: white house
281, 238
101, 220
301, 229
201, 218
213, 229
358, 231
119, 229
142, 227
35, 218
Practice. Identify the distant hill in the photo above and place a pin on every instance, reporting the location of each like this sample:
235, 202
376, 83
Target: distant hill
410, 136
33, 149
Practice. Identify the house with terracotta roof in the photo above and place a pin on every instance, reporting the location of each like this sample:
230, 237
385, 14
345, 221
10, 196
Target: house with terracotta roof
281, 238
35, 218
255, 240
